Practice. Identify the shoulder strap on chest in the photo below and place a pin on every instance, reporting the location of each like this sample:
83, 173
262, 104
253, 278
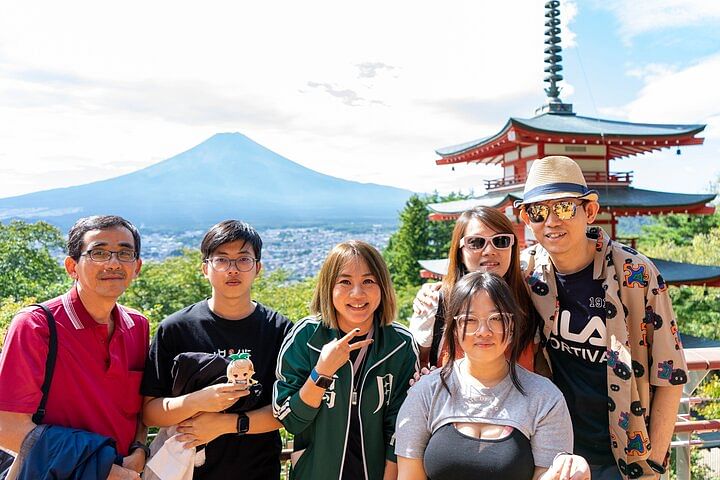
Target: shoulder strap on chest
438, 330
49, 363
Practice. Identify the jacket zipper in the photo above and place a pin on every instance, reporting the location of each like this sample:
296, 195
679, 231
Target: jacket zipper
362, 386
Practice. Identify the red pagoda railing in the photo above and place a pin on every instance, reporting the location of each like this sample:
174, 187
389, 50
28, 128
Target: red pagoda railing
629, 241
616, 178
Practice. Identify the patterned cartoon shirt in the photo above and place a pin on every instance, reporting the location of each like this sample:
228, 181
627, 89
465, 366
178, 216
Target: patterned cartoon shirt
641, 328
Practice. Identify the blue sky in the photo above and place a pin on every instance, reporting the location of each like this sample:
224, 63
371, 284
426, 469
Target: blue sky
365, 91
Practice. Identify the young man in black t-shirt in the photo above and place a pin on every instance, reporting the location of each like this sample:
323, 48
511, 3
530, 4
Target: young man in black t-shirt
236, 444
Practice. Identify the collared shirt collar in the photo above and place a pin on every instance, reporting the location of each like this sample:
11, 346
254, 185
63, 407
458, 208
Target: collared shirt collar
80, 318
602, 249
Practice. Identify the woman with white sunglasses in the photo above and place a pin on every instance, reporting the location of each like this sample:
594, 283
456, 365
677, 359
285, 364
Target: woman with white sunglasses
482, 241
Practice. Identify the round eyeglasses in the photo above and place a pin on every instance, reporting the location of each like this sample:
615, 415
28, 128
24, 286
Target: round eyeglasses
470, 324
223, 264
501, 241
99, 255
564, 209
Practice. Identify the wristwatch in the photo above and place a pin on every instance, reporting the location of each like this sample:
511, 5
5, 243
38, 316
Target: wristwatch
135, 445
656, 467
243, 424
320, 380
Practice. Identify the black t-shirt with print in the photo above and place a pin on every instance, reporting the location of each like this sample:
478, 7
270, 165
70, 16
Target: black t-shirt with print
577, 348
197, 329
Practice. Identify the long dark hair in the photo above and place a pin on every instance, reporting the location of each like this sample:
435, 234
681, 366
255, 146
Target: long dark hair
498, 222
458, 303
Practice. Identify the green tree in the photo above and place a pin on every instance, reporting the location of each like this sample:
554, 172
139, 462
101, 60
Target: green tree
697, 308
29, 263
409, 244
418, 238
8, 308
292, 299
440, 232
167, 286
677, 229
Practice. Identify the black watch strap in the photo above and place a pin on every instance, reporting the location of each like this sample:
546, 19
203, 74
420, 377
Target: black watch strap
243, 424
656, 467
135, 445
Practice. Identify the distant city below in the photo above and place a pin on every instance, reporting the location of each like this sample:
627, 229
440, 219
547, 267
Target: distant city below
301, 250
298, 250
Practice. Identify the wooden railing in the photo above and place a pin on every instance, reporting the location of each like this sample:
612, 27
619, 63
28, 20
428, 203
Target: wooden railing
629, 241
700, 362
615, 178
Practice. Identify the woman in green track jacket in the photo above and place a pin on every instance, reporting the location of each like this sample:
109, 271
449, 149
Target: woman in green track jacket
343, 373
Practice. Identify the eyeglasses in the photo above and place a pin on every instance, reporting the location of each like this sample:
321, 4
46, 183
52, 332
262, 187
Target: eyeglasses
470, 324
99, 255
539, 212
223, 264
501, 241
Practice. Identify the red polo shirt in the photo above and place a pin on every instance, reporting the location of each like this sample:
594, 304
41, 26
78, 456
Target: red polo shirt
96, 385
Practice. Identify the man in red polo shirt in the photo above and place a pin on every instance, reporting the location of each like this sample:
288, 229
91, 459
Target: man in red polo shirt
102, 348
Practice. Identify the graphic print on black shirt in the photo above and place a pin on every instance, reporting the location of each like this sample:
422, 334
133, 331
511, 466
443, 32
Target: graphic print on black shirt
578, 354
197, 329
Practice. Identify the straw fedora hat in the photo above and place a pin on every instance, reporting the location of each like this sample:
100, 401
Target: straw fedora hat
555, 177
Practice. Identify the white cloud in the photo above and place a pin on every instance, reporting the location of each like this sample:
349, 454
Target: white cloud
677, 96
642, 16
91, 90
671, 95
651, 71
568, 12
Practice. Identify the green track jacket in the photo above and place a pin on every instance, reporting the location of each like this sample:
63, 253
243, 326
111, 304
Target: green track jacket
322, 432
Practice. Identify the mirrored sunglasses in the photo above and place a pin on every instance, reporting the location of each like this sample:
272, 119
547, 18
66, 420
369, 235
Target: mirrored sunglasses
539, 212
501, 241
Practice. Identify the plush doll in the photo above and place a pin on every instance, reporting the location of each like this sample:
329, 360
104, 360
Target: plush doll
240, 370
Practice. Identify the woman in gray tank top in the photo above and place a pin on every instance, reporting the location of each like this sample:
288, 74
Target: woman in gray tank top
482, 415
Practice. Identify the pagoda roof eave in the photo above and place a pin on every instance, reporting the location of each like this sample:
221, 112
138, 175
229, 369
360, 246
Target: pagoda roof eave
674, 273
623, 200
678, 273
467, 146
580, 125
492, 200
628, 200
625, 138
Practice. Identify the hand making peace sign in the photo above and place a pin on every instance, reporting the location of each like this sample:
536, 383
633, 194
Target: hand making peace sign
337, 352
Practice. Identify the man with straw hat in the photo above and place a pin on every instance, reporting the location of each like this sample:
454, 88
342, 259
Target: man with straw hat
609, 333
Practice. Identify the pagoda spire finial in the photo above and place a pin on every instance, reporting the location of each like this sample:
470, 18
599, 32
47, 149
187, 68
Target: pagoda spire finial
553, 59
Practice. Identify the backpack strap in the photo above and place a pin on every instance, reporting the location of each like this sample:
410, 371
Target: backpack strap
438, 330
37, 418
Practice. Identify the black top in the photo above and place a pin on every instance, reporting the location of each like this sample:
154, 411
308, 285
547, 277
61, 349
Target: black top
353, 468
197, 329
577, 349
451, 455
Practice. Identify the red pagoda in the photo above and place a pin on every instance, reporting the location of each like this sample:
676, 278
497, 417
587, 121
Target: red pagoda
592, 143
